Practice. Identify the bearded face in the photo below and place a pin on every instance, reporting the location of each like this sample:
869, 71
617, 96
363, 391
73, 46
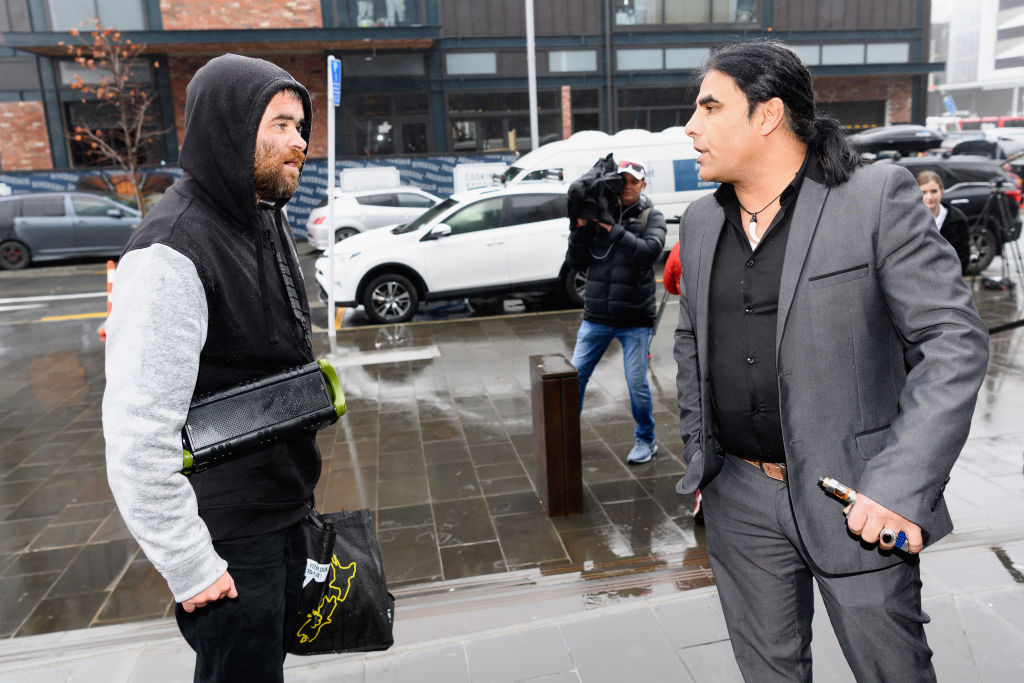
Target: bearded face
275, 171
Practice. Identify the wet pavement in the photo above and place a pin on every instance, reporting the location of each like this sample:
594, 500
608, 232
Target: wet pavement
438, 444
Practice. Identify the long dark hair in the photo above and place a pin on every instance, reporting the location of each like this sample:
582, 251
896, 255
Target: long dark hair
763, 69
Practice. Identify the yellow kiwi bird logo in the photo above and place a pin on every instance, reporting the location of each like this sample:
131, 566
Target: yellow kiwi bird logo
333, 596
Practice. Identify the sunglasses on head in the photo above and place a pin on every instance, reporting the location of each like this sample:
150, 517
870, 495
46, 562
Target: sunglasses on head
631, 165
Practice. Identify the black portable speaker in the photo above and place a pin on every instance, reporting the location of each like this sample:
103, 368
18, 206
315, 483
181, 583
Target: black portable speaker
233, 422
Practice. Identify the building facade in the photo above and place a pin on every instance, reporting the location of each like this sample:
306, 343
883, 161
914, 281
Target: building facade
437, 77
983, 46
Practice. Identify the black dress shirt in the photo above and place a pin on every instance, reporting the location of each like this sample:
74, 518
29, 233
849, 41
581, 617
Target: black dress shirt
743, 310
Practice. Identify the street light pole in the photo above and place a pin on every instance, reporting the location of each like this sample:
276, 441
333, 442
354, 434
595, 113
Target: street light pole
531, 71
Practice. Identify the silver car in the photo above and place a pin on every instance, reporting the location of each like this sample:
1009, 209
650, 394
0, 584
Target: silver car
361, 210
45, 226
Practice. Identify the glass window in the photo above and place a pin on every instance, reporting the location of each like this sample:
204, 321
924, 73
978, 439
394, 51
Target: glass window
376, 65
19, 73
372, 13
468, 63
685, 57
413, 200
631, 12
383, 199
482, 215
90, 206
639, 59
43, 206
584, 98
842, 53
8, 210
808, 54
888, 53
572, 60
126, 15
532, 208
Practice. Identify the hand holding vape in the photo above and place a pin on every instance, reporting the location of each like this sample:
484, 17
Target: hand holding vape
844, 493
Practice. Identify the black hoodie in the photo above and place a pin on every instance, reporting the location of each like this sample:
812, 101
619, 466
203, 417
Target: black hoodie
210, 215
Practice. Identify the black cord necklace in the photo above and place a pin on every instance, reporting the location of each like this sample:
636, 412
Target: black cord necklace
752, 226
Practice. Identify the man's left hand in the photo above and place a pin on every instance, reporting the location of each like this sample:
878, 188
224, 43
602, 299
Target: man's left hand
866, 519
606, 226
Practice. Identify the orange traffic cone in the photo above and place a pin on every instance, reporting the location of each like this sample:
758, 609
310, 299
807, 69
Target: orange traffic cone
110, 298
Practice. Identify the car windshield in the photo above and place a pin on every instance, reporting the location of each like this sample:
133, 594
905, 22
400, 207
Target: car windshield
510, 173
425, 217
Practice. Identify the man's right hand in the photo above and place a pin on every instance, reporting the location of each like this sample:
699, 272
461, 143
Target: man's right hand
224, 587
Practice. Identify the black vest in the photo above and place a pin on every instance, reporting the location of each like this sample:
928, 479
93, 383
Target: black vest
252, 332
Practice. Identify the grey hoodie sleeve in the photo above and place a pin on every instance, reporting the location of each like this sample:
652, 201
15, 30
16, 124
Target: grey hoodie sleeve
155, 331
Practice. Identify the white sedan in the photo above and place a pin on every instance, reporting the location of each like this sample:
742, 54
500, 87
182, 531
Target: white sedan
361, 210
480, 242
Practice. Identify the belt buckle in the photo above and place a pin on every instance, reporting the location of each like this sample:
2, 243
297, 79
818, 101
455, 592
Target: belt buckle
783, 473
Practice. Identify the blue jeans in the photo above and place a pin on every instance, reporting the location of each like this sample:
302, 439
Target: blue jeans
242, 639
591, 342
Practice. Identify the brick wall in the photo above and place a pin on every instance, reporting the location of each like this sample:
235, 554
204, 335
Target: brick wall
897, 91
24, 143
191, 15
310, 70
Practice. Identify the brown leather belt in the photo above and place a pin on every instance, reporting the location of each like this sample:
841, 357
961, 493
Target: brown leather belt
772, 470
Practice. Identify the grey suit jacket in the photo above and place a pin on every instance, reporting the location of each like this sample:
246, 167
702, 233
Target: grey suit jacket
880, 353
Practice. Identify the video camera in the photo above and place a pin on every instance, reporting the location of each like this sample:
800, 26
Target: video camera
592, 195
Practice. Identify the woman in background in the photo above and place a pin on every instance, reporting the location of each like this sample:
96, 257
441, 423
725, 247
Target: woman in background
950, 221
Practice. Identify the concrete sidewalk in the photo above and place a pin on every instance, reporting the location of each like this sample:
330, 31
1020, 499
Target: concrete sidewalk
523, 626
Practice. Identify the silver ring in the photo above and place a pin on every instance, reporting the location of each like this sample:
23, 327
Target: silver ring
887, 536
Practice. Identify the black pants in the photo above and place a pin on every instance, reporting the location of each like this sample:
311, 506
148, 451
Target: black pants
242, 639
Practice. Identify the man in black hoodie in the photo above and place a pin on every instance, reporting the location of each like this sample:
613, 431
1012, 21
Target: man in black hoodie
620, 298
209, 295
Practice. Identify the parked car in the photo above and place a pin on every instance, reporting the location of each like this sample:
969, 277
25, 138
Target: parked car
970, 181
46, 226
1007, 150
900, 139
485, 241
361, 210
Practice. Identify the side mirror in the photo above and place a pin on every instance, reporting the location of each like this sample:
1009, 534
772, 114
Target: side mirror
440, 230
115, 213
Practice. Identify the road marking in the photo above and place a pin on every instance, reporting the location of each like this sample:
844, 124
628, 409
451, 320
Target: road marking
4, 309
77, 316
52, 297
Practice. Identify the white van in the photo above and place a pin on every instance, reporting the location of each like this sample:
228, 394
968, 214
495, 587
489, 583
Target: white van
668, 156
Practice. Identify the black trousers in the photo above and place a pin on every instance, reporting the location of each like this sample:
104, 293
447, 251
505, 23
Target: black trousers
242, 639
766, 580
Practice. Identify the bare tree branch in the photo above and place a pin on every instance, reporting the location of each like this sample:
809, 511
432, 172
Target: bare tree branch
113, 57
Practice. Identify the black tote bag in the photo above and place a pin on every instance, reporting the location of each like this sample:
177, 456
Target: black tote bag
345, 605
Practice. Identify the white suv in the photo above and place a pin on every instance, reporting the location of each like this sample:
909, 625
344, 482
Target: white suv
361, 210
487, 241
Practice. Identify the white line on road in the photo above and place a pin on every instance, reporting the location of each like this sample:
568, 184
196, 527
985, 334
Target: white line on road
4, 309
51, 297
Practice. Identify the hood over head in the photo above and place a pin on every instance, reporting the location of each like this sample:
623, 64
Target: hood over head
224, 103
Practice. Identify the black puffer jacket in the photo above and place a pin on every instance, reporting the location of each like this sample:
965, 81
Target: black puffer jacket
620, 266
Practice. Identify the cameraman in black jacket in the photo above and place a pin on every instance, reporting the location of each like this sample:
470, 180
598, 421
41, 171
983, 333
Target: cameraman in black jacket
620, 297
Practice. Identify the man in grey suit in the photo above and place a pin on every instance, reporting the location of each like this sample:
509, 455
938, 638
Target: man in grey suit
824, 330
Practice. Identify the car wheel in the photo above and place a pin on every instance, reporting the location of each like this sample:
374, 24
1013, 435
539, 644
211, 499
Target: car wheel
344, 233
390, 299
983, 250
574, 285
14, 255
